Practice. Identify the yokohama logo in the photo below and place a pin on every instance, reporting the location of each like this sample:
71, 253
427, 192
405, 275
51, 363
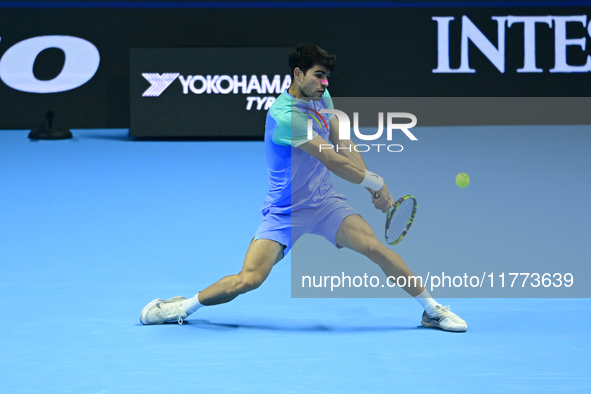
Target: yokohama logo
268, 85
159, 83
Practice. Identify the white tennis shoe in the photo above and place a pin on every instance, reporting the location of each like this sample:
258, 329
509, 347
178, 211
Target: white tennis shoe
444, 319
162, 311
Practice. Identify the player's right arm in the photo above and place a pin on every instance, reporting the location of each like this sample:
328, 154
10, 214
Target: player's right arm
342, 166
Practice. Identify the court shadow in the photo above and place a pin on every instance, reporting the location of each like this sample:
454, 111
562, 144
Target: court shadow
110, 137
73, 139
206, 324
420, 327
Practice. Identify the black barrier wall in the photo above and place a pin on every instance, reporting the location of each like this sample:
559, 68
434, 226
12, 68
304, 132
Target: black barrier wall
381, 52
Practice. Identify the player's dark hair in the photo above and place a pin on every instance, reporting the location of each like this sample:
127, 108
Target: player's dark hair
306, 56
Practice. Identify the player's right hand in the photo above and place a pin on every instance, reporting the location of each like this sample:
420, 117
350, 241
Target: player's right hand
385, 201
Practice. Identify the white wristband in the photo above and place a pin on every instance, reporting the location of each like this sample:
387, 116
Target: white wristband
372, 181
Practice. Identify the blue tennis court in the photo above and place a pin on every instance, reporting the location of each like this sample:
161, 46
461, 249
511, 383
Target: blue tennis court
94, 228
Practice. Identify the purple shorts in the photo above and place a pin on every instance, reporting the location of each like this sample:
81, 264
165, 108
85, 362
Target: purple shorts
324, 220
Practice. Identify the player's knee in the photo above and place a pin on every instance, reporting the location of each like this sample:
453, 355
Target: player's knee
374, 249
248, 282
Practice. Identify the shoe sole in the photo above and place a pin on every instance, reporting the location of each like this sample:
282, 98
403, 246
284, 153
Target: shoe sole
429, 325
147, 307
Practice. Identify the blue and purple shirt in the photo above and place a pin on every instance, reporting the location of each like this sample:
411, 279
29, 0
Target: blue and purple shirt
296, 179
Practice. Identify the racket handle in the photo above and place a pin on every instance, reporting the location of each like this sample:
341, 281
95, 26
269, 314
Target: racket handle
376, 196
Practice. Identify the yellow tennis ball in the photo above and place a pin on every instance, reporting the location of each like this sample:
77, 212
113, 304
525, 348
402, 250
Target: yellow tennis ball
462, 180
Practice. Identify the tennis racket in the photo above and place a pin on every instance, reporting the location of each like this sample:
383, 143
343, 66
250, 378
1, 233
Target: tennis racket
399, 218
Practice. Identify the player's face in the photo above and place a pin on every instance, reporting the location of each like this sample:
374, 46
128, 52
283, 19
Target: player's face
313, 84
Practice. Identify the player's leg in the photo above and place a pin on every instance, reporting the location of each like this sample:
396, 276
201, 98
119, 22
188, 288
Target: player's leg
260, 258
354, 233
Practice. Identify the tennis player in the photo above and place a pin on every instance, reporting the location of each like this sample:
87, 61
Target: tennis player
302, 199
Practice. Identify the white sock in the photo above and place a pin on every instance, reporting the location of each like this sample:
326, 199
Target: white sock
190, 305
427, 302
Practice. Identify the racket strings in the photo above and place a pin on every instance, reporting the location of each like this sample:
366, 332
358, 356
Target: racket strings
400, 219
